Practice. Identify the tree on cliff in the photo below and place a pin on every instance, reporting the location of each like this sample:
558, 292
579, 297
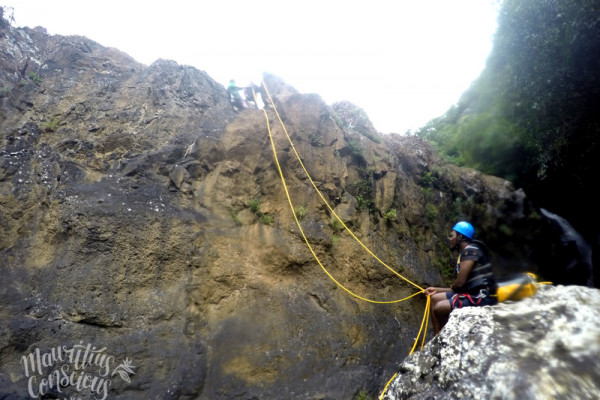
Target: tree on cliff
6, 17
532, 116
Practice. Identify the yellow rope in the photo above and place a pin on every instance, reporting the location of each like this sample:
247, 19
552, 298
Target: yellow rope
306, 239
426, 317
425, 320
325, 201
386, 386
534, 278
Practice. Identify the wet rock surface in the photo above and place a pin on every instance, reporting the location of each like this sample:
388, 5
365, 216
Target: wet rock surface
542, 347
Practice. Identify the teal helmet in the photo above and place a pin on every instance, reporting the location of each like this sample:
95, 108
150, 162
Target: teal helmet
465, 229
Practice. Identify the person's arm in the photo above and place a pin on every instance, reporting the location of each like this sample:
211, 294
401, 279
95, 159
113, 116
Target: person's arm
433, 290
463, 274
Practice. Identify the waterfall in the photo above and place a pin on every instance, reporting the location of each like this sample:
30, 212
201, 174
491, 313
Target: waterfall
572, 250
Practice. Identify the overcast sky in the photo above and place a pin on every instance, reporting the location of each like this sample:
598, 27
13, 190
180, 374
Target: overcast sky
404, 62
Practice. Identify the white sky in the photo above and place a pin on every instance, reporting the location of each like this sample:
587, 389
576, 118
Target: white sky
404, 62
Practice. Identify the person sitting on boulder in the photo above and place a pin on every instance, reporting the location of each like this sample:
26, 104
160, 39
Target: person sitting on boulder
475, 284
235, 95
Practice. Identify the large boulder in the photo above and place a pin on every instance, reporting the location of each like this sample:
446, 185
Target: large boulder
544, 347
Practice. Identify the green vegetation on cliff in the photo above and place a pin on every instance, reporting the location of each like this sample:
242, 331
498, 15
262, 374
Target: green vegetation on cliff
532, 116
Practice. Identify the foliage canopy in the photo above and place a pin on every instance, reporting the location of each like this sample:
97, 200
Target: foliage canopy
533, 115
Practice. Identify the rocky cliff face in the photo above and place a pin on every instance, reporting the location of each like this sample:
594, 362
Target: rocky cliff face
543, 347
147, 249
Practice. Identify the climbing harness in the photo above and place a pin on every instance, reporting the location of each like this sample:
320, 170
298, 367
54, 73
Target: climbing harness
457, 300
424, 322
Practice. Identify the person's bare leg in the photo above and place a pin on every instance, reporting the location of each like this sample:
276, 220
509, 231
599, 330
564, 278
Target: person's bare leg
436, 299
435, 323
440, 313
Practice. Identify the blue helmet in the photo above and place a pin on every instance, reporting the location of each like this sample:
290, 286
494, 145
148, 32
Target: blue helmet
465, 229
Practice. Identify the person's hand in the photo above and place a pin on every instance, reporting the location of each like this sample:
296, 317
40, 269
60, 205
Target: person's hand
431, 291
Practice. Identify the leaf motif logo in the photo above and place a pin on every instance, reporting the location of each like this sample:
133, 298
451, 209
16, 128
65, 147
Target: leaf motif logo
124, 376
124, 369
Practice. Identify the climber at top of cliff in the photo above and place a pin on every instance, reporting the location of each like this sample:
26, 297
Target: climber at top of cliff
236, 95
475, 284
